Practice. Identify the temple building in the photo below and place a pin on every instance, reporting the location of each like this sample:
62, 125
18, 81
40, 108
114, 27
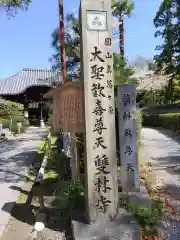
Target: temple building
28, 87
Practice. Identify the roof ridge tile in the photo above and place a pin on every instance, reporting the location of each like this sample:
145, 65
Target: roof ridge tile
38, 69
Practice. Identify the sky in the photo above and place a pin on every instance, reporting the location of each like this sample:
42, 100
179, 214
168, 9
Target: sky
25, 40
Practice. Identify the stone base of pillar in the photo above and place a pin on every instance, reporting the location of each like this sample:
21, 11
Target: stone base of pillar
42, 124
123, 227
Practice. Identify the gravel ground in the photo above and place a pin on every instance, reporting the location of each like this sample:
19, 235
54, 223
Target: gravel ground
162, 149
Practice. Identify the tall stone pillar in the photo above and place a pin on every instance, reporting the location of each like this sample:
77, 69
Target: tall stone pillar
97, 74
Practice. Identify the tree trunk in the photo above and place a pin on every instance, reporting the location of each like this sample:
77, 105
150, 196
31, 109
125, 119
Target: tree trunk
62, 45
121, 35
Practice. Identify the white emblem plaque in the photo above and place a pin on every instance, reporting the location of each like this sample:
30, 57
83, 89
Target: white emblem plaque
97, 20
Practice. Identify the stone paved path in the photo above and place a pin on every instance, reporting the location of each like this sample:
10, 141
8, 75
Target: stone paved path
162, 147
15, 157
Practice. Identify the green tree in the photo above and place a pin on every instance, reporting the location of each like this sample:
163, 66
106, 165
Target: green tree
120, 10
122, 72
176, 89
14, 5
72, 46
168, 58
151, 66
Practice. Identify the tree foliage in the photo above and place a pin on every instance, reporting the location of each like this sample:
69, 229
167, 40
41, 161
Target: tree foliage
11, 6
72, 46
120, 10
122, 72
176, 89
167, 21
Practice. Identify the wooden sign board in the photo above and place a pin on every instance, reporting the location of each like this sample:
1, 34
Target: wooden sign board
68, 112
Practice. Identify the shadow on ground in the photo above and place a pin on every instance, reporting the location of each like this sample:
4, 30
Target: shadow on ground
172, 135
171, 164
169, 157
173, 191
56, 209
12, 169
55, 220
163, 149
168, 133
17, 156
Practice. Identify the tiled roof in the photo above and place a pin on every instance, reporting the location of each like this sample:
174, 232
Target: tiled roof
26, 78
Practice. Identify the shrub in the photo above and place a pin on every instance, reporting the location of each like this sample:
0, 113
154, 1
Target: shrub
12, 110
75, 192
148, 218
18, 118
161, 109
59, 163
15, 119
9, 108
169, 121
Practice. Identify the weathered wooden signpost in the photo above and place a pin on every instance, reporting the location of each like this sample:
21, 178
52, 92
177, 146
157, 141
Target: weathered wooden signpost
68, 117
102, 199
128, 138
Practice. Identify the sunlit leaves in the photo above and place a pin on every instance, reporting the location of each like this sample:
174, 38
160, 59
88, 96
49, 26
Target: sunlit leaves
122, 7
168, 56
12, 6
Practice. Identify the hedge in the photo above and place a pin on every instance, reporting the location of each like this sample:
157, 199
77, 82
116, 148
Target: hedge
162, 109
15, 119
9, 108
169, 121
